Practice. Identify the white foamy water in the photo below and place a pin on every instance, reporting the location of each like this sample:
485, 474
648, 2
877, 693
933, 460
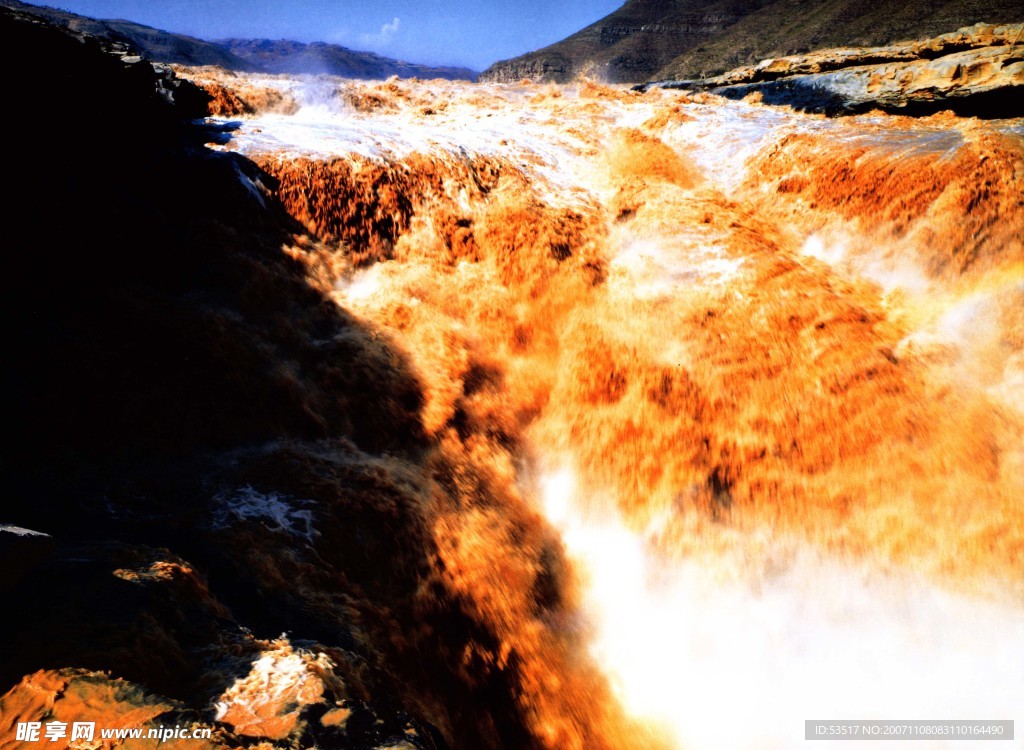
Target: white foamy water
719, 137
737, 652
647, 268
892, 272
326, 126
722, 137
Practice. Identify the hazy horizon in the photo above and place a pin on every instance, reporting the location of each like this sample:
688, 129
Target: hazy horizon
438, 32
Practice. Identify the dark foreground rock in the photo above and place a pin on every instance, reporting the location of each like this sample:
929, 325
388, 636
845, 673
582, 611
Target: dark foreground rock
977, 70
217, 453
21, 550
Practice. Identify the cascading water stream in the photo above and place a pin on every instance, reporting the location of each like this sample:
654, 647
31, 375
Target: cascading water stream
784, 495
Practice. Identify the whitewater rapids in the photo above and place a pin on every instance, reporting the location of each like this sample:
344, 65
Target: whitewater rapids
762, 372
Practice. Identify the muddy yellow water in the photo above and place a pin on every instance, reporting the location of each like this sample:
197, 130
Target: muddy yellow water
761, 374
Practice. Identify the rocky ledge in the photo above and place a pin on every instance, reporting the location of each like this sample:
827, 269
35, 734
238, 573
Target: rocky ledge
978, 70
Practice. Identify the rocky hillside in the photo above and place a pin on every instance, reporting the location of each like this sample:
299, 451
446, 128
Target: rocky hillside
255, 55
283, 56
654, 39
154, 44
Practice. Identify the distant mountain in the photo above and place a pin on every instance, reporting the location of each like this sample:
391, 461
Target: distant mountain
283, 56
259, 55
154, 44
657, 39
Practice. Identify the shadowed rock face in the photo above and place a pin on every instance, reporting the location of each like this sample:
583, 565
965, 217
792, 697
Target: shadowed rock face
145, 330
977, 70
652, 39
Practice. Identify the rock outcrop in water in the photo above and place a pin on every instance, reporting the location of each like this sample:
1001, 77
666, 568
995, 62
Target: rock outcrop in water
976, 70
649, 39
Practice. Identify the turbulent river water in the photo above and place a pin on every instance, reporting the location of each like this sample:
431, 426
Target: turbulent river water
761, 373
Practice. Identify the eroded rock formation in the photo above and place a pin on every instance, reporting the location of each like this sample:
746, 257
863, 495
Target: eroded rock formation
976, 70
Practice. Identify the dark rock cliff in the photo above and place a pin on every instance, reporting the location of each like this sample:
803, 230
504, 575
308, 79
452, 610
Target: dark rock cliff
215, 451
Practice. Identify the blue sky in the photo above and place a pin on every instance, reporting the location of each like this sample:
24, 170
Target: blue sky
434, 32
